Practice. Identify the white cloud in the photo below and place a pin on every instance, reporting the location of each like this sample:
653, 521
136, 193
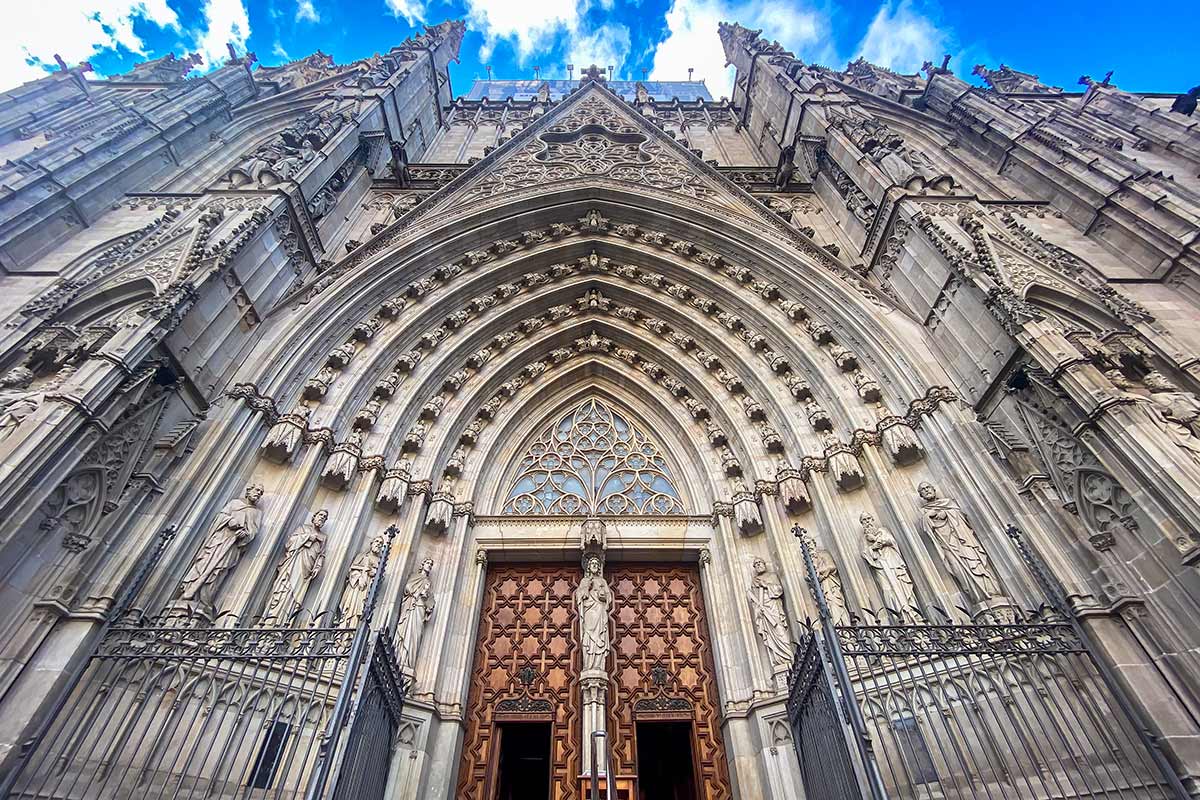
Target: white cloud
902, 39
530, 26
225, 21
75, 29
306, 11
279, 52
606, 46
692, 36
413, 11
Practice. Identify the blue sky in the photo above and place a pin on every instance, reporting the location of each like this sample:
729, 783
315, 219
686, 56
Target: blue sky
1150, 48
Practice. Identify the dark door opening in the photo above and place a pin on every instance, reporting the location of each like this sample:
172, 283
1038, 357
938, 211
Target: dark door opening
524, 762
664, 757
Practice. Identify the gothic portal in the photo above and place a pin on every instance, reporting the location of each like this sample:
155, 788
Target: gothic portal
838, 439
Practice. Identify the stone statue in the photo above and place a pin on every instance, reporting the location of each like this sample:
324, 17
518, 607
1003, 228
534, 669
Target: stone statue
415, 610
1177, 412
303, 557
831, 581
961, 551
883, 556
17, 400
358, 582
235, 527
1177, 407
594, 602
770, 618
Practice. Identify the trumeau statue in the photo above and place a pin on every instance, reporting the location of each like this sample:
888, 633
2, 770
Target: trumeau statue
594, 603
235, 527
358, 582
415, 610
961, 551
883, 556
303, 557
770, 617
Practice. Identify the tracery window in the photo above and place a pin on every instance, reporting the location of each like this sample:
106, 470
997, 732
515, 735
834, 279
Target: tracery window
593, 461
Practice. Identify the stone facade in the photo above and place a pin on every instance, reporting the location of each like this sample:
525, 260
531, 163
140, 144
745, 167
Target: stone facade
378, 304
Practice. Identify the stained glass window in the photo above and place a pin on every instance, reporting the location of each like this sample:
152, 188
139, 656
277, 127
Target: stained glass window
593, 461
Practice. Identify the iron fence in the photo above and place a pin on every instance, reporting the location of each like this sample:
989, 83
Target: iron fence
165, 709
1017, 709
818, 731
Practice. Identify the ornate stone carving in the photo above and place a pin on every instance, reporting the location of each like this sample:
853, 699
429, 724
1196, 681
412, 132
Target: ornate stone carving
343, 462
793, 491
358, 582
17, 399
891, 572
393, 490
303, 557
416, 608
770, 619
232, 531
286, 435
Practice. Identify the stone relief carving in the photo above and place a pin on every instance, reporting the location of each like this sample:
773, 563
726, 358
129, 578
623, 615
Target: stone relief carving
303, 558
17, 399
416, 609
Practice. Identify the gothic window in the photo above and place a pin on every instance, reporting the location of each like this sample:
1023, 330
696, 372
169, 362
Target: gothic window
593, 461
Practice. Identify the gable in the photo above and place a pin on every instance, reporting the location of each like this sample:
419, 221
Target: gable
594, 137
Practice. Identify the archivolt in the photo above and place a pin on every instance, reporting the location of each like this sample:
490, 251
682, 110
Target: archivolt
444, 263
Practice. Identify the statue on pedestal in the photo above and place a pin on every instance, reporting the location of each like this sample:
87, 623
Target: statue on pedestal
594, 602
770, 617
955, 539
358, 582
235, 527
303, 557
883, 556
415, 610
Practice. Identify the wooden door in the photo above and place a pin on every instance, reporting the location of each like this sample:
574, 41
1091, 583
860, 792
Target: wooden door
526, 668
662, 667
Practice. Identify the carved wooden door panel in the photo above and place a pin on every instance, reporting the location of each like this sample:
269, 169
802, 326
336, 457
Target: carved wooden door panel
526, 668
662, 667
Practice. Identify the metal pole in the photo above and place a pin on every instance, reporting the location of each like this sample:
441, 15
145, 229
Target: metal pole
595, 776
858, 725
1133, 712
124, 601
341, 706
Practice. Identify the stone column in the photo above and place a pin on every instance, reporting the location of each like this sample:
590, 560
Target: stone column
593, 684
593, 606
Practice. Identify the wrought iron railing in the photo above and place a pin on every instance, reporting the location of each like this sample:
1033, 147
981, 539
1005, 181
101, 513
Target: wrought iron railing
1024, 709
163, 709
826, 766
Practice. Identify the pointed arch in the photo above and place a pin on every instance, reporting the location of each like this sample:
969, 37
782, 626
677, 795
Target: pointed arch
593, 460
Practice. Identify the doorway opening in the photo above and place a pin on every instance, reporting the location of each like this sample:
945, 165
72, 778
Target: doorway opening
523, 770
664, 757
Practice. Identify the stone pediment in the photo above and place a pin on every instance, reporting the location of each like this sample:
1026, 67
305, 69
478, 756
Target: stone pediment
593, 137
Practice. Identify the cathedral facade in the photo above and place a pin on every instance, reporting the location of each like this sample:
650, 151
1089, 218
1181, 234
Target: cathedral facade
582, 438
